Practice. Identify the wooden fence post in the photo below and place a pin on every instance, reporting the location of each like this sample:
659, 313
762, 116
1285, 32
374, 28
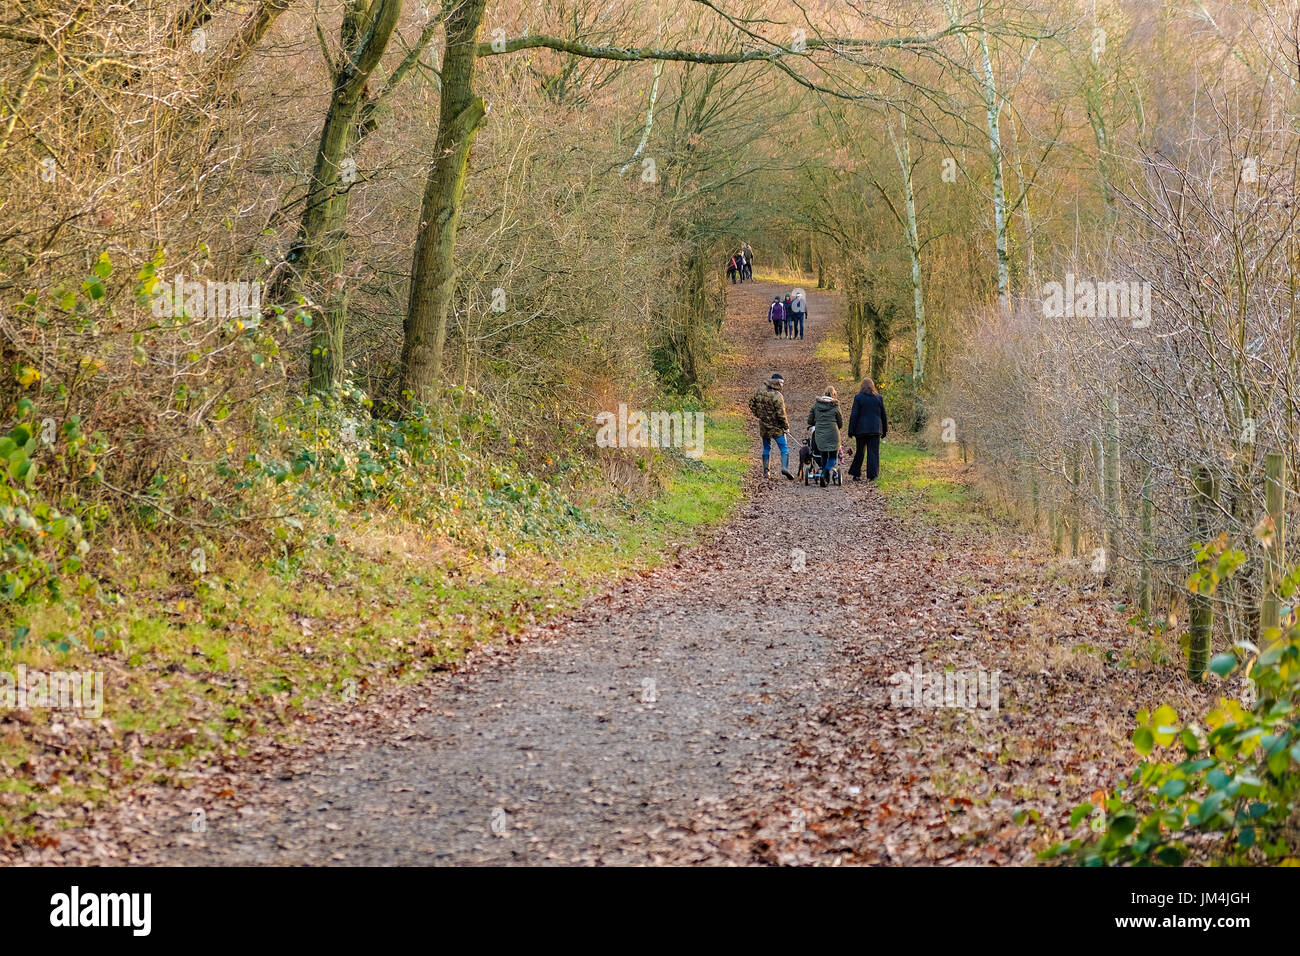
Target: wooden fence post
1033, 496
1056, 525
1113, 509
1077, 516
1144, 592
1270, 613
1204, 494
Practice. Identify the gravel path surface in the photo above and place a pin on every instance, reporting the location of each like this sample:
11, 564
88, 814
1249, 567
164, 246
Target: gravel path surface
724, 708
588, 739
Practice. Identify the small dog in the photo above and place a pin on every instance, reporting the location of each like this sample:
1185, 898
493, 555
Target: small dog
805, 458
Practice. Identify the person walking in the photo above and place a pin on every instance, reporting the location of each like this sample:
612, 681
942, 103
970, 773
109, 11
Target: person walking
798, 309
732, 269
768, 406
788, 307
776, 314
827, 421
747, 261
868, 424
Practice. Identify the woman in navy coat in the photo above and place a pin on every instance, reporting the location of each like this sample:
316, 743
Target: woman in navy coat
868, 424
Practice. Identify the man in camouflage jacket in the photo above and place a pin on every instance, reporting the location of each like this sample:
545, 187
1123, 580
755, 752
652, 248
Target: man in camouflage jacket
768, 406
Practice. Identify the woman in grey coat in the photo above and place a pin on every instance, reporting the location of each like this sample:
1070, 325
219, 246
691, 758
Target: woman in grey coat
827, 421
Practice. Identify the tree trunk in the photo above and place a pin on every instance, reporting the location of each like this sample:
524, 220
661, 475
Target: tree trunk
1270, 615
1144, 583
433, 272
854, 327
879, 341
1076, 492
321, 246
993, 108
903, 153
687, 338
1201, 610
1114, 508
242, 43
649, 117
319, 250
1031, 268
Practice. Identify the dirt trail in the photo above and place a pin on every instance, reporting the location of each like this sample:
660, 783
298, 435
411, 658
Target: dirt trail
723, 709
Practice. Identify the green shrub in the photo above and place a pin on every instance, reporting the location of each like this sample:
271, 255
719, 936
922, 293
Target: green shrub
44, 541
447, 468
1223, 792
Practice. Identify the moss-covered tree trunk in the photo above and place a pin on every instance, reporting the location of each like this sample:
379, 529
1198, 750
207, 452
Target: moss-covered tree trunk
689, 338
1114, 505
318, 252
855, 335
879, 323
433, 273
1148, 544
1270, 617
1205, 495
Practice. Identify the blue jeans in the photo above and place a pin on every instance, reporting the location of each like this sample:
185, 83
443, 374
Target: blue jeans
796, 325
785, 451
830, 457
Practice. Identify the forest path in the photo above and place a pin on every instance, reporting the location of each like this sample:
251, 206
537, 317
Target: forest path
724, 708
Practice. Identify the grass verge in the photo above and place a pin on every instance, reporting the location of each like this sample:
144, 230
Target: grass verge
200, 667
918, 483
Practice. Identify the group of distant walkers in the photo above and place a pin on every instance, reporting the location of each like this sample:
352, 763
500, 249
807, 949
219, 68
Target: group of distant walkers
787, 315
741, 265
868, 424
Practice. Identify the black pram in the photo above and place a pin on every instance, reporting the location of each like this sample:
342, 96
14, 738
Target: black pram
812, 461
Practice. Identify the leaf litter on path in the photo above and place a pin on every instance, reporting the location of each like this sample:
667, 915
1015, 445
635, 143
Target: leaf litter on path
724, 709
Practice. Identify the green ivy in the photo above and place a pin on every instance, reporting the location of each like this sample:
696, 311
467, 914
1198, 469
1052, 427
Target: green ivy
43, 542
